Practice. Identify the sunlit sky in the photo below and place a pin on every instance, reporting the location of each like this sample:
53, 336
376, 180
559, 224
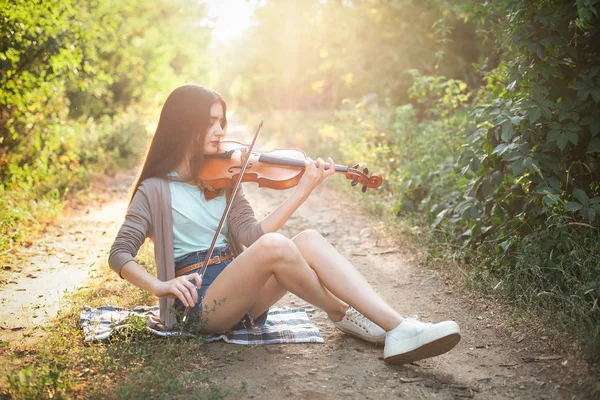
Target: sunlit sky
232, 17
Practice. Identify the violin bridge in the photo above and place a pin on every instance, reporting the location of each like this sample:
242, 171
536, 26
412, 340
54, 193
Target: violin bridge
244, 156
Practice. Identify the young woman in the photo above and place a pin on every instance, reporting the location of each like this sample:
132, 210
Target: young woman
239, 287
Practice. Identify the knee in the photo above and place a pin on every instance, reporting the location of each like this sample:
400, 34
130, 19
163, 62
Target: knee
275, 247
307, 237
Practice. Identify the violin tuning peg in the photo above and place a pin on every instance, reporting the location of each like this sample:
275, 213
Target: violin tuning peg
366, 171
355, 166
354, 182
364, 188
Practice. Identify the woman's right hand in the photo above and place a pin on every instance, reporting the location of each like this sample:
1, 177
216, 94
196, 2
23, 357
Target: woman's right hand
180, 288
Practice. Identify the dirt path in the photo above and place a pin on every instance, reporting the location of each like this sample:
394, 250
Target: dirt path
36, 278
488, 363
491, 361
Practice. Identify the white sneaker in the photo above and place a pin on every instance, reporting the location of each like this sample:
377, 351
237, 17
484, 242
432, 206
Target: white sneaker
356, 324
413, 340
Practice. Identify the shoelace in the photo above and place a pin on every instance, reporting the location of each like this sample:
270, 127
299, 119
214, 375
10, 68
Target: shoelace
359, 319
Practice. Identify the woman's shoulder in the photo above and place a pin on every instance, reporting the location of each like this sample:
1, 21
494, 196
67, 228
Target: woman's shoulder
153, 182
153, 186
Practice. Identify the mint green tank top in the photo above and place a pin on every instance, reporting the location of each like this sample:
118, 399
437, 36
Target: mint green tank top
195, 219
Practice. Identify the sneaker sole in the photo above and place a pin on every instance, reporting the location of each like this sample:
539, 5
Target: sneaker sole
431, 349
378, 341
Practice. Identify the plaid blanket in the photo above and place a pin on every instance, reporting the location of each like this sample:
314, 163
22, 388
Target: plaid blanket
283, 325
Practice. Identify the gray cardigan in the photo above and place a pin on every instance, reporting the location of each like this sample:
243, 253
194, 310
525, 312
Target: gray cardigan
150, 215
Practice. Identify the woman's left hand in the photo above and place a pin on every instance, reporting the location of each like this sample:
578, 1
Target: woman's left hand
314, 174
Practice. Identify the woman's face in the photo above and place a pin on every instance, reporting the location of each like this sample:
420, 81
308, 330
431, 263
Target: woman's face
215, 133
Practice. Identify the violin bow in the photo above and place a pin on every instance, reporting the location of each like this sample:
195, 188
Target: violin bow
226, 212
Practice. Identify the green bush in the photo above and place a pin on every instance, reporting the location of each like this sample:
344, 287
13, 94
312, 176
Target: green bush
442, 170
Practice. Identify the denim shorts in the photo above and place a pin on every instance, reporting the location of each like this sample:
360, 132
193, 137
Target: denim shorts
194, 320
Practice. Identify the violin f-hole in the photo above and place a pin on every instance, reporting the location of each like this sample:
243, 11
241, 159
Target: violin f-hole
232, 169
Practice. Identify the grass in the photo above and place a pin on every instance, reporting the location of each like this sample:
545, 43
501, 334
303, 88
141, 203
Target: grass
132, 364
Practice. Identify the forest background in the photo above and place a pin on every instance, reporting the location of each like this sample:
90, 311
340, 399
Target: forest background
483, 117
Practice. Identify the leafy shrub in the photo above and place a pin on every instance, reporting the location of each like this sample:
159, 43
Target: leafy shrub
446, 171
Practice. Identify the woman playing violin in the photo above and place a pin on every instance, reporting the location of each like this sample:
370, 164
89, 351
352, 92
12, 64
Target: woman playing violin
238, 287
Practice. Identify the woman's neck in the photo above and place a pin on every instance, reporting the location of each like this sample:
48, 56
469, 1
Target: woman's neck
183, 169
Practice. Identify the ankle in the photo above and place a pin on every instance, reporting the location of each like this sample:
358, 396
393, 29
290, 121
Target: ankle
338, 314
392, 323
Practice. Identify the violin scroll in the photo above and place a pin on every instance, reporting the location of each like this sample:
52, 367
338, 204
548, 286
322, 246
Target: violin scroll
367, 181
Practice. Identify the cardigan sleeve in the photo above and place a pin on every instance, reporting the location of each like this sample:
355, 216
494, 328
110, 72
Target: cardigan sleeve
132, 234
245, 228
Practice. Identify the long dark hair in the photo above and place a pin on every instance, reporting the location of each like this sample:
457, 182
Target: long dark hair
184, 121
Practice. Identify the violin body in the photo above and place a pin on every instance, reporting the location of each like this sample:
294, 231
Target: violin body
277, 169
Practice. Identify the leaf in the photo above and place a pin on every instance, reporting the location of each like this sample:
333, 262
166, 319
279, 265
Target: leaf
505, 245
553, 135
464, 170
562, 115
595, 200
439, 218
507, 129
516, 120
544, 189
500, 149
581, 196
554, 184
591, 215
547, 113
561, 142
537, 169
538, 92
517, 168
573, 206
539, 50
511, 86
484, 189
594, 146
550, 199
583, 94
573, 137
497, 177
587, 120
578, 85
535, 115
595, 127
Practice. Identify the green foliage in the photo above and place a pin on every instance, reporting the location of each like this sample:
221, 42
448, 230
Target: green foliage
537, 125
75, 79
513, 176
38, 383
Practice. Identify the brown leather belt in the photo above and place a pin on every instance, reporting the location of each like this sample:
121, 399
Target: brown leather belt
214, 260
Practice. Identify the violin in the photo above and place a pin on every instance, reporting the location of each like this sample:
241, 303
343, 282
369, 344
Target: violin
277, 169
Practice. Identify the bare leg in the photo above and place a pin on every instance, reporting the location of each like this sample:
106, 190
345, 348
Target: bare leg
340, 277
343, 278
238, 287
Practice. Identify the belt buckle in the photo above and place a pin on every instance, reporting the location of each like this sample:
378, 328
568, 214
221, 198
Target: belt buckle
218, 259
